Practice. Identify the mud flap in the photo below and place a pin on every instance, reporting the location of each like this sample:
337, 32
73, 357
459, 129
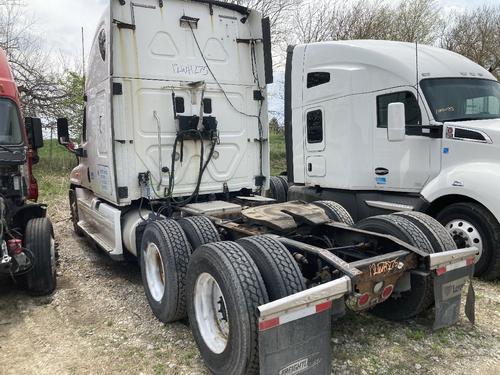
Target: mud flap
300, 346
447, 295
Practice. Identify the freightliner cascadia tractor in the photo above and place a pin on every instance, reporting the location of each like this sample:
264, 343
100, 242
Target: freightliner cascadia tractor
172, 166
362, 132
27, 247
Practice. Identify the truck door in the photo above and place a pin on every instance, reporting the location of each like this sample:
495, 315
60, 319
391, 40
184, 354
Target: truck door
407, 165
314, 139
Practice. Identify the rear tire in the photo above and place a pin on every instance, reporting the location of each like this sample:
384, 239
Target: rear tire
39, 239
440, 239
279, 270
286, 186
224, 289
199, 231
335, 211
277, 190
473, 225
420, 297
164, 258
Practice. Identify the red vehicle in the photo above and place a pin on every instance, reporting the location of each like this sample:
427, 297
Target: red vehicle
27, 246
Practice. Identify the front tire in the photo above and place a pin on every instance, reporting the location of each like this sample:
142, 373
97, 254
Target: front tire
470, 224
164, 259
224, 289
39, 240
73, 206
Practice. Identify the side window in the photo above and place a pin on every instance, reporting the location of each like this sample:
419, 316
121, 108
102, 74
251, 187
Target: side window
412, 109
317, 79
179, 104
315, 127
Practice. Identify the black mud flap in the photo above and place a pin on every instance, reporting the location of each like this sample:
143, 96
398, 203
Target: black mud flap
300, 346
448, 293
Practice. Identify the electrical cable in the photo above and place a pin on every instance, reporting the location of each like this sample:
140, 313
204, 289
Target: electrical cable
258, 117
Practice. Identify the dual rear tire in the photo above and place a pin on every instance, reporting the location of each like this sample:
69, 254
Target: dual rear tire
219, 286
279, 188
427, 235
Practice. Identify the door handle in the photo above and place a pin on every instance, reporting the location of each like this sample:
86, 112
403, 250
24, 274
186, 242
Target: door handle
310, 167
381, 171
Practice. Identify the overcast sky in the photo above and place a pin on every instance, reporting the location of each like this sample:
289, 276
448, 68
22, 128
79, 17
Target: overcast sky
59, 22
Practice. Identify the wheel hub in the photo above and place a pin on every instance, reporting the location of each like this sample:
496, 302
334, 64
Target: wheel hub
155, 273
211, 313
465, 234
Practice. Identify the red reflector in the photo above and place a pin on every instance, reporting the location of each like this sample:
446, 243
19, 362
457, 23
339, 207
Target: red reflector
470, 261
441, 271
15, 246
363, 300
387, 291
267, 324
323, 306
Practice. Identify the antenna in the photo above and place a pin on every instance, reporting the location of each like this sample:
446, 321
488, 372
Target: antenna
416, 69
83, 59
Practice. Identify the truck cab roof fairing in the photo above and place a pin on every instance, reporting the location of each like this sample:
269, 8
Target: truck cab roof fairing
238, 8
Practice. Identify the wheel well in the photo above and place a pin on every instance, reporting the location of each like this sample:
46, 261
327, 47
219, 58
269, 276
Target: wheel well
26, 213
440, 203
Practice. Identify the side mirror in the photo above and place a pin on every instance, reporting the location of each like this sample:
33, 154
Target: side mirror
34, 132
63, 131
396, 124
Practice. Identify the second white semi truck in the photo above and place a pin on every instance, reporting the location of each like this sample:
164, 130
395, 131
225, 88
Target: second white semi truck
173, 161
381, 127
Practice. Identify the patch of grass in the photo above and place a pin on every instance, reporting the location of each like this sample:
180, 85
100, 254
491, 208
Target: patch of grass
52, 173
415, 334
278, 153
443, 336
160, 369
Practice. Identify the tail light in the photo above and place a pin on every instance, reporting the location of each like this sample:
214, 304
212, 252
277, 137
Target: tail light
387, 291
15, 246
363, 300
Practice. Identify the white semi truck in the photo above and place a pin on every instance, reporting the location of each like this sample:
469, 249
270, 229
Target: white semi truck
172, 164
381, 126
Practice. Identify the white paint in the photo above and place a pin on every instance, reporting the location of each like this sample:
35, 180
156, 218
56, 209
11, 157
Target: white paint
135, 132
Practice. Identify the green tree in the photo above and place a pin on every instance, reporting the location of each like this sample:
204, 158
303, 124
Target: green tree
274, 126
72, 104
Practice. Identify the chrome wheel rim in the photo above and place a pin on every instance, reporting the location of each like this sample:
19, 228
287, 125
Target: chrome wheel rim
211, 313
465, 235
155, 273
53, 254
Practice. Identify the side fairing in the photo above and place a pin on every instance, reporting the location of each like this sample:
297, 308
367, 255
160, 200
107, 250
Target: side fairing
97, 169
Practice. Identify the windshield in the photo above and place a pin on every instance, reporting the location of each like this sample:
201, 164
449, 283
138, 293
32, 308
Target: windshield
10, 126
462, 99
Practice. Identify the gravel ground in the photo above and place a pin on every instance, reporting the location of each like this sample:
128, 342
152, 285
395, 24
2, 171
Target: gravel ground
98, 322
